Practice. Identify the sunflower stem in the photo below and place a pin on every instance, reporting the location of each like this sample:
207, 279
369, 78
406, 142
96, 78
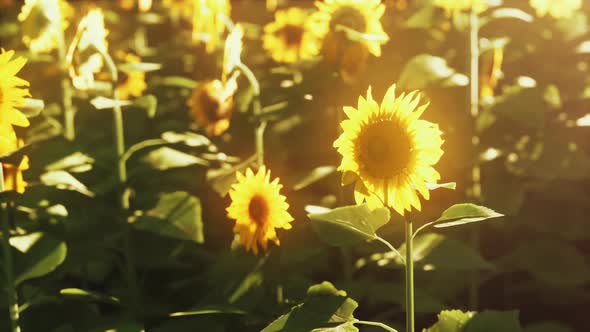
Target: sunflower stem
66, 87
409, 278
11, 293
257, 110
475, 170
124, 194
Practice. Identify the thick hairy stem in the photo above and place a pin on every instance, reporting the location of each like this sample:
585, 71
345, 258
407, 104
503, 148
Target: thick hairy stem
409, 278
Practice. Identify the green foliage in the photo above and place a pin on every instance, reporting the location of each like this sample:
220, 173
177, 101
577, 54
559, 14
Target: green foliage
460, 214
349, 225
38, 254
324, 309
450, 321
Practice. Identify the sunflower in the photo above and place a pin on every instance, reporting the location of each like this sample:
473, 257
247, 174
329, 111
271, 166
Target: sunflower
209, 21
133, 82
452, 6
339, 21
288, 38
13, 90
84, 54
258, 208
389, 151
211, 105
556, 9
353, 62
43, 23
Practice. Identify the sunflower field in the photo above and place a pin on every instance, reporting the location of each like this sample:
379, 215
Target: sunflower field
294, 165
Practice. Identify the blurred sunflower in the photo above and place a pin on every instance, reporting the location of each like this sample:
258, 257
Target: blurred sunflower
133, 82
258, 208
12, 90
209, 21
389, 151
84, 54
142, 5
211, 102
339, 21
556, 9
452, 6
288, 38
491, 70
43, 23
211, 105
353, 62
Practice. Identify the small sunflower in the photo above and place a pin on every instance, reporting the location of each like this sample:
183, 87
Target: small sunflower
209, 21
211, 105
258, 208
13, 90
337, 20
84, 53
557, 9
43, 23
288, 38
133, 82
389, 151
452, 6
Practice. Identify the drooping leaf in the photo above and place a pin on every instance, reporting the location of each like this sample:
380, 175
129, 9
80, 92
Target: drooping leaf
451, 321
494, 321
166, 158
424, 70
65, 181
349, 225
325, 309
41, 255
85, 295
465, 213
176, 215
315, 175
75, 162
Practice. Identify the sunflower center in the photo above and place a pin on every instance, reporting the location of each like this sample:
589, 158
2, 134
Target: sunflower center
258, 210
349, 17
384, 150
292, 34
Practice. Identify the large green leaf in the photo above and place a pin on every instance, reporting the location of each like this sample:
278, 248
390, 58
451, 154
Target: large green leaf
325, 309
176, 215
465, 213
38, 254
494, 321
450, 321
349, 225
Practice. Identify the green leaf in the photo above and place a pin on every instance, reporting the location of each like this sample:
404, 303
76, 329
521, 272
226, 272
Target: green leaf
451, 321
325, 309
424, 70
40, 255
349, 225
208, 311
465, 213
65, 181
175, 81
315, 175
165, 158
494, 321
176, 215
188, 138
434, 251
75, 162
504, 13
522, 105
222, 179
81, 294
